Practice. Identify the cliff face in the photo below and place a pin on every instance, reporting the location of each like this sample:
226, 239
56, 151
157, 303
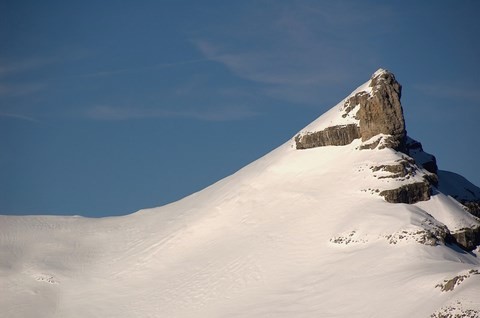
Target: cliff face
409, 193
377, 110
331, 136
382, 113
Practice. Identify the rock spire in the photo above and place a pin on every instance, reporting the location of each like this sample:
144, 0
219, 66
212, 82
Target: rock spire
376, 111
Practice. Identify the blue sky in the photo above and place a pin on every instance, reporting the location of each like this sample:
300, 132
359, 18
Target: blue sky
107, 107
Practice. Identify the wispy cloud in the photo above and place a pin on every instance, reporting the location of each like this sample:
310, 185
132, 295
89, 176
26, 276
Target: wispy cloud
297, 48
289, 77
19, 116
143, 68
106, 112
267, 67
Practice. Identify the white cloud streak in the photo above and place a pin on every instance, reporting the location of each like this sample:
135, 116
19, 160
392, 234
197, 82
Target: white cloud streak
296, 49
143, 68
19, 116
106, 112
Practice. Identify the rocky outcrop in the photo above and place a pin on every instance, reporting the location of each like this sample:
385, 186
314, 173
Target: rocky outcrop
374, 114
382, 113
472, 206
431, 235
403, 168
468, 238
409, 193
458, 309
352, 102
332, 136
450, 284
377, 112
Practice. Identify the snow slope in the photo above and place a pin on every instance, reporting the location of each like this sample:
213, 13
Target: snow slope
293, 234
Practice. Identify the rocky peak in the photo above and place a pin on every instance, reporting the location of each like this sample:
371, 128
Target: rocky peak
372, 110
373, 113
382, 112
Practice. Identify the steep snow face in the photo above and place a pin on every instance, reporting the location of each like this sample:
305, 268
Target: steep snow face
297, 233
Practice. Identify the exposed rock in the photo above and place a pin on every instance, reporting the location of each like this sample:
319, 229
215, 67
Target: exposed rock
472, 206
456, 311
348, 238
409, 193
467, 238
450, 284
371, 145
429, 235
375, 115
382, 113
431, 178
379, 112
358, 99
331, 136
403, 169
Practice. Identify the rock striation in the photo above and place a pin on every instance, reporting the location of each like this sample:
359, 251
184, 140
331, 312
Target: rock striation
331, 136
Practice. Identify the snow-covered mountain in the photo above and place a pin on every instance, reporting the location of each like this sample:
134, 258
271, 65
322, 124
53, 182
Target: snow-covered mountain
349, 218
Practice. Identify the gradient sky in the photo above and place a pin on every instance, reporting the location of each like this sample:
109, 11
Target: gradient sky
107, 107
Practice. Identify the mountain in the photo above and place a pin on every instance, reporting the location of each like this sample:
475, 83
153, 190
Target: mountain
349, 218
